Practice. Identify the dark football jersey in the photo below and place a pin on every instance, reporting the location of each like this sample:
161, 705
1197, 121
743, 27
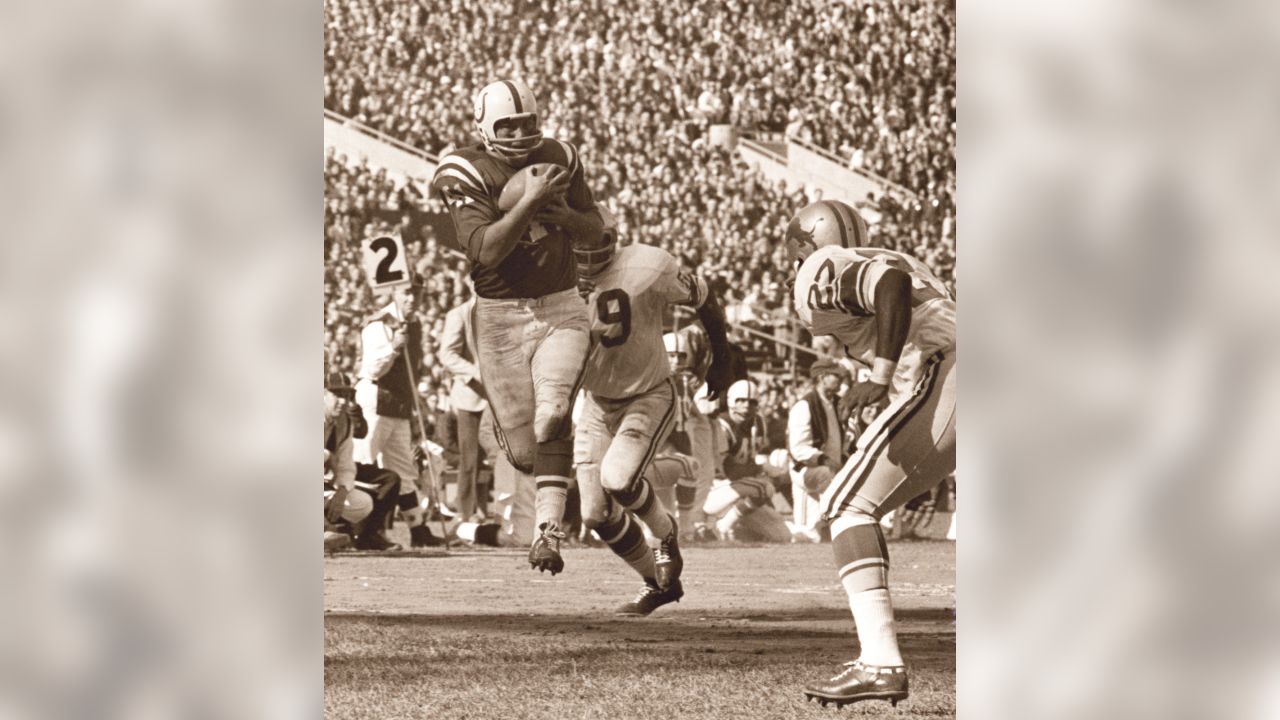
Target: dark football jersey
471, 180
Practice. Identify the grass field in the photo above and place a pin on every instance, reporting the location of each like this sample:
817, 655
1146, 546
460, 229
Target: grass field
478, 635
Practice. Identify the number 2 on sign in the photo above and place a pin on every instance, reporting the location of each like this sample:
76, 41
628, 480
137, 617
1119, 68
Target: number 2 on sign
385, 262
384, 274
613, 307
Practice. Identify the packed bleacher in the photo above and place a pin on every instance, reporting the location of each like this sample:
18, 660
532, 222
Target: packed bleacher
634, 85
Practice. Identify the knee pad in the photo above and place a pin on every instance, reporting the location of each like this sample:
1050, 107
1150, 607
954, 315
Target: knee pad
551, 420
861, 555
554, 457
671, 470
596, 516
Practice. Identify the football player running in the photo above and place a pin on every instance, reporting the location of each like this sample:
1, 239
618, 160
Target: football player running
628, 407
893, 314
531, 329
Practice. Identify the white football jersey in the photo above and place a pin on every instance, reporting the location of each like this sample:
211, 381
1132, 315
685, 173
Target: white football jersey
626, 308
831, 272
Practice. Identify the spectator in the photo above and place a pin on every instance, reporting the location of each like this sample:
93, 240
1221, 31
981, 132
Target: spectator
467, 400
386, 392
816, 445
344, 505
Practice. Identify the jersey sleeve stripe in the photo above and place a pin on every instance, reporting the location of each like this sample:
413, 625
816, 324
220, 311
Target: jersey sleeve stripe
860, 281
465, 167
456, 173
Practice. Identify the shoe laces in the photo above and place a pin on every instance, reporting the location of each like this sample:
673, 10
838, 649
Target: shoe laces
553, 531
661, 553
646, 592
849, 667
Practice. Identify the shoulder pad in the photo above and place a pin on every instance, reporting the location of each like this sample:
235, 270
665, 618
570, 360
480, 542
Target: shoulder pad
639, 266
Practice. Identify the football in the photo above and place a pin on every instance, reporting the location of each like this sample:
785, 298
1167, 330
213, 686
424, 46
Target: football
514, 188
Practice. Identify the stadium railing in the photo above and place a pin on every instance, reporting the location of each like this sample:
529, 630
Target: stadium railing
381, 136
889, 185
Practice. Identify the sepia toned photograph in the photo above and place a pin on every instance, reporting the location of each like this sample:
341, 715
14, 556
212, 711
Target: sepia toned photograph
639, 359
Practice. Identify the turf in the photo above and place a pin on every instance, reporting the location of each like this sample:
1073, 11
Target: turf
478, 635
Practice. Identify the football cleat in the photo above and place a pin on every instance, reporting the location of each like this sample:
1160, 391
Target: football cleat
650, 599
667, 559
545, 553
334, 541
376, 541
858, 681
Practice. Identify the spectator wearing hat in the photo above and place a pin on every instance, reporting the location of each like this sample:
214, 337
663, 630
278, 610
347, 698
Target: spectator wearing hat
370, 485
815, 440
344, 504
391, 345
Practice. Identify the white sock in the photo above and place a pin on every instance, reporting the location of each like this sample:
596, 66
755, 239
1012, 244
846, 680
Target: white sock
873, 618
725, 524
548, 505
467, 531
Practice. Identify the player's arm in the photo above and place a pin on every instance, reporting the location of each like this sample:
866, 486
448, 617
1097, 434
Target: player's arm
875, 288
486, 234
691, 290
576, 212
499, 239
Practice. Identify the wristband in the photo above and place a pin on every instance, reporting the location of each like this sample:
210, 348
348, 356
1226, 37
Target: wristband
882, 371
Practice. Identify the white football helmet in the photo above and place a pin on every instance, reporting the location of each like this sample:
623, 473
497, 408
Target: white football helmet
592, 260
743, 390
503, 103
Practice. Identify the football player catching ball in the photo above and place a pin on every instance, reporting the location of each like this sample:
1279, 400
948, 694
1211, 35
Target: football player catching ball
531, 328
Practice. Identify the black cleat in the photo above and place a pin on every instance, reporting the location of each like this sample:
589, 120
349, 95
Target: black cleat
861, 682
650, 599
421, 536
375, 540
667, 559
545, 552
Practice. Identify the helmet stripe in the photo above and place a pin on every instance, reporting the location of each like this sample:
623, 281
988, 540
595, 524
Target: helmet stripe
515, 96
844, 231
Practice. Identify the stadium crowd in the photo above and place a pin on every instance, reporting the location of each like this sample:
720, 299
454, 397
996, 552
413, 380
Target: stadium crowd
635, 83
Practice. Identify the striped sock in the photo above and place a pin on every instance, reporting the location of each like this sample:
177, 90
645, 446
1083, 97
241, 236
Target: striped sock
640, 500
627, 542
549, 500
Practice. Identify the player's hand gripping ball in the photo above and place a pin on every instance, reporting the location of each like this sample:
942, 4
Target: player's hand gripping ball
546, 181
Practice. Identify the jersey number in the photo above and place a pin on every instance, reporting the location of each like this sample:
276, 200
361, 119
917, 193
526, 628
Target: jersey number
822, 293
609, 316
384, 273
